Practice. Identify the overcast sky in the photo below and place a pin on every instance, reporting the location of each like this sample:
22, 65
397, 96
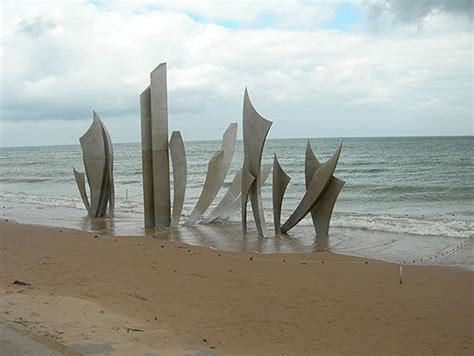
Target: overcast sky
314, 68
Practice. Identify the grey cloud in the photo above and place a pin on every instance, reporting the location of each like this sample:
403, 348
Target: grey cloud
36, 26
409, 11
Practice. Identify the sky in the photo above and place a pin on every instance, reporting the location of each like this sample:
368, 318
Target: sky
314, 68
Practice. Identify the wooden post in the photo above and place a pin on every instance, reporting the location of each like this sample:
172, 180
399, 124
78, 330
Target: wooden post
401, 272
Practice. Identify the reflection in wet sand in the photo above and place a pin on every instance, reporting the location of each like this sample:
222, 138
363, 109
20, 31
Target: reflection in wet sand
100, 225
227, 236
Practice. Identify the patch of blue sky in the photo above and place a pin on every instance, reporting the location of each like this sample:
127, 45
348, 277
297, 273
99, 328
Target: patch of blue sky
261, 21
233, 25
347, 16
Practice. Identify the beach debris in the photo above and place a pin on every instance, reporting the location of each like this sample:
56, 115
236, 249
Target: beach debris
205, 340
135, 329
137, 296
21, 283
20, 321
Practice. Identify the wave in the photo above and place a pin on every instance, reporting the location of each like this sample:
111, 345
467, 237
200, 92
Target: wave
131, 181
24, 180
362, 170
404, 225
417, 189
426, 226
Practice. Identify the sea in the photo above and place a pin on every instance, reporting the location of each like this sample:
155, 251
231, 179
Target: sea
406, 199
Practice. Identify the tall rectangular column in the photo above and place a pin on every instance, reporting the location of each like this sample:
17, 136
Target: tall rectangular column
159, 141
147, 158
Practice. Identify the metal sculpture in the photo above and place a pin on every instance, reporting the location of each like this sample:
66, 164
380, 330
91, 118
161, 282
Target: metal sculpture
147, 158
322, 211
255, 130
155, 155
110, 186
178, 158
280, 182
216, 172
230, 203
159, 144
230, 196
322, 188
316, 187
81, 185
97, 155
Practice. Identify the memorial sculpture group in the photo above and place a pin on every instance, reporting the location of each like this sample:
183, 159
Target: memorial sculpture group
322, 188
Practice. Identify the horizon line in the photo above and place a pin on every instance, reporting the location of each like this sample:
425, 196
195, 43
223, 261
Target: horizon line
268, 139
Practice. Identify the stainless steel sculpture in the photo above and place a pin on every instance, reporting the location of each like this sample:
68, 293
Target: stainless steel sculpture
280, 182
322, 188
255, 130
81, 185
155, 155
316, 187
147, 158
97, 155
230, 196
178, 158
110, 186
322, 211
230, 203
216, 172
159, 144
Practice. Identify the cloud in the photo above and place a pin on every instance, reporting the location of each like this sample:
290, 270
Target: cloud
311, 81
409, 11
289, 14
36, 26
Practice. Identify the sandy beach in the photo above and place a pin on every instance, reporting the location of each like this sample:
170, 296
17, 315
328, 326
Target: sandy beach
133, 295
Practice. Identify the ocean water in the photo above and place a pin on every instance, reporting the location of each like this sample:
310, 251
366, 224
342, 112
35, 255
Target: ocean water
405, 198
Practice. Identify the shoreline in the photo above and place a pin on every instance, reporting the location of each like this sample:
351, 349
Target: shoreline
148, 295
226, 236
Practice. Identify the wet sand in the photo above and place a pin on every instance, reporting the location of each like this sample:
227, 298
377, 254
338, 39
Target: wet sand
131, 295
393, 247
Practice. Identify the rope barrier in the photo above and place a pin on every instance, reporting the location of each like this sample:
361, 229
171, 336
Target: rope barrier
444, 253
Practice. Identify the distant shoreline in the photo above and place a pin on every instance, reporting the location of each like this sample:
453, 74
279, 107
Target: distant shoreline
268, 139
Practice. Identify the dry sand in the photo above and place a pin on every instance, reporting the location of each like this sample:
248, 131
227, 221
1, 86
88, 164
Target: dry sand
132, 295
